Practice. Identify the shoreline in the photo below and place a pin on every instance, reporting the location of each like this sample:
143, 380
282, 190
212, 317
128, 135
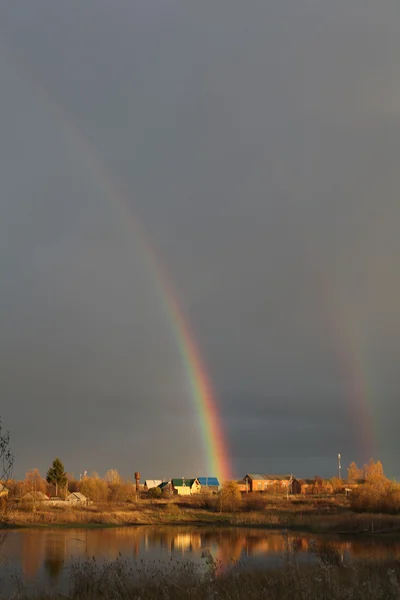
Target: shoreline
274, 518
204, 525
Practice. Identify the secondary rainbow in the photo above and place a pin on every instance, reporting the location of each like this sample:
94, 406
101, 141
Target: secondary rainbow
348, 346
201, 391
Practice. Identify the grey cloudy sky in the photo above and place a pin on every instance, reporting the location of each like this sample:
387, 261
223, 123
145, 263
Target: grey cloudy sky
258, 143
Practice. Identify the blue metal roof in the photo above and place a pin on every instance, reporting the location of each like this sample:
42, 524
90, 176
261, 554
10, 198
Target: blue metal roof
208, 481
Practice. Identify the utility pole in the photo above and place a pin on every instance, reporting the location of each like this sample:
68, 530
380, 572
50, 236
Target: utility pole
339, 466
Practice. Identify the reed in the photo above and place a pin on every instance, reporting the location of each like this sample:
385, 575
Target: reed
329, 577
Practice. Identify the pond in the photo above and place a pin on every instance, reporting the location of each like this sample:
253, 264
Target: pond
42, 558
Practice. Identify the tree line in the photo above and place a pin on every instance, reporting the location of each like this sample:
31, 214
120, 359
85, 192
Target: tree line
57, 482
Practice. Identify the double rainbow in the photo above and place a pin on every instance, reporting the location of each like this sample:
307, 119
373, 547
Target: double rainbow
201, 392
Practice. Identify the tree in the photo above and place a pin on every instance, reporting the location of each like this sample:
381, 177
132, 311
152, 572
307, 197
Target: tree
337, 484
112, 476
6, 457
317, 484
230, 496
56, 475
94, 488
373, 473
124, 491
6, 467
34, 482
354, 474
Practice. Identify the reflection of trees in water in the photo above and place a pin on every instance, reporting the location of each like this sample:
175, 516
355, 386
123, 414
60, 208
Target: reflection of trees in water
32, 553
54, 549
54, 554
53, 567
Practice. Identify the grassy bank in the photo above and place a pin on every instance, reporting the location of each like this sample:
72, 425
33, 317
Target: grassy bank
317, 515
327, 577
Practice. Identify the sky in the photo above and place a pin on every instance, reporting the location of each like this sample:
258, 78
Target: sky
256, 147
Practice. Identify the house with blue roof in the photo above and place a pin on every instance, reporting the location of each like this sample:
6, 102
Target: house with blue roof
209, 484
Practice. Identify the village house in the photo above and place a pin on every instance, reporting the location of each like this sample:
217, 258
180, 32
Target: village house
208, 484
243, 485
76, 498
55, 501
185, 487
31, 497
166, 488
152, 483
272, 483
316, 486
305, 488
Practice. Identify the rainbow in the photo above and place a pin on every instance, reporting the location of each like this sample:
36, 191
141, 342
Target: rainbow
201, 391
347, 343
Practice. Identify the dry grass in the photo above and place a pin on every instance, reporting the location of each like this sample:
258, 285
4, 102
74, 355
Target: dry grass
328, 578
301, 514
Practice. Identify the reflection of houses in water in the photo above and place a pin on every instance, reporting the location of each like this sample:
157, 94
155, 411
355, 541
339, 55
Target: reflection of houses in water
52, 550
186, 542
173, 540
233, 545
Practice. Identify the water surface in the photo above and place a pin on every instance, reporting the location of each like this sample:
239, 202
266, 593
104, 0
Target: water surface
43, 557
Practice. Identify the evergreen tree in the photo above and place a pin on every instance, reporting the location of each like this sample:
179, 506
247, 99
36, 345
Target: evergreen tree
56, 475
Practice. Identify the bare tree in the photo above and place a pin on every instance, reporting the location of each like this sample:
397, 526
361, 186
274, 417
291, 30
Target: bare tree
6, 468
34, 482
112, 476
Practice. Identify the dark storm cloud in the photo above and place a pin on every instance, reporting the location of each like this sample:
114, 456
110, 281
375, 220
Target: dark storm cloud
258, 143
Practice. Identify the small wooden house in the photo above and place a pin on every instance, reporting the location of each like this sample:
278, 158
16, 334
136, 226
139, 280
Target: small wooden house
185, 487
31, 497
76, 498
243, 485
272, 483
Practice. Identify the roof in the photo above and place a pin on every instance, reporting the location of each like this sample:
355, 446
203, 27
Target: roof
151, 483
208, 481
3, 488
259, 477
78, 495
164, 484
183, 481
36, 495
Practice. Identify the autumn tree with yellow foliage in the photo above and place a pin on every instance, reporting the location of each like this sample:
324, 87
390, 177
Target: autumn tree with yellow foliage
377, 493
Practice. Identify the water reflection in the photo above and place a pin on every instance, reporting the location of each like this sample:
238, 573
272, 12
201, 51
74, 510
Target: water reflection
44, 555
55, 547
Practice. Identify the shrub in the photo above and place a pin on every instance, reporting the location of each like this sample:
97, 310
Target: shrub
154, 492
379, 496
252, 502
